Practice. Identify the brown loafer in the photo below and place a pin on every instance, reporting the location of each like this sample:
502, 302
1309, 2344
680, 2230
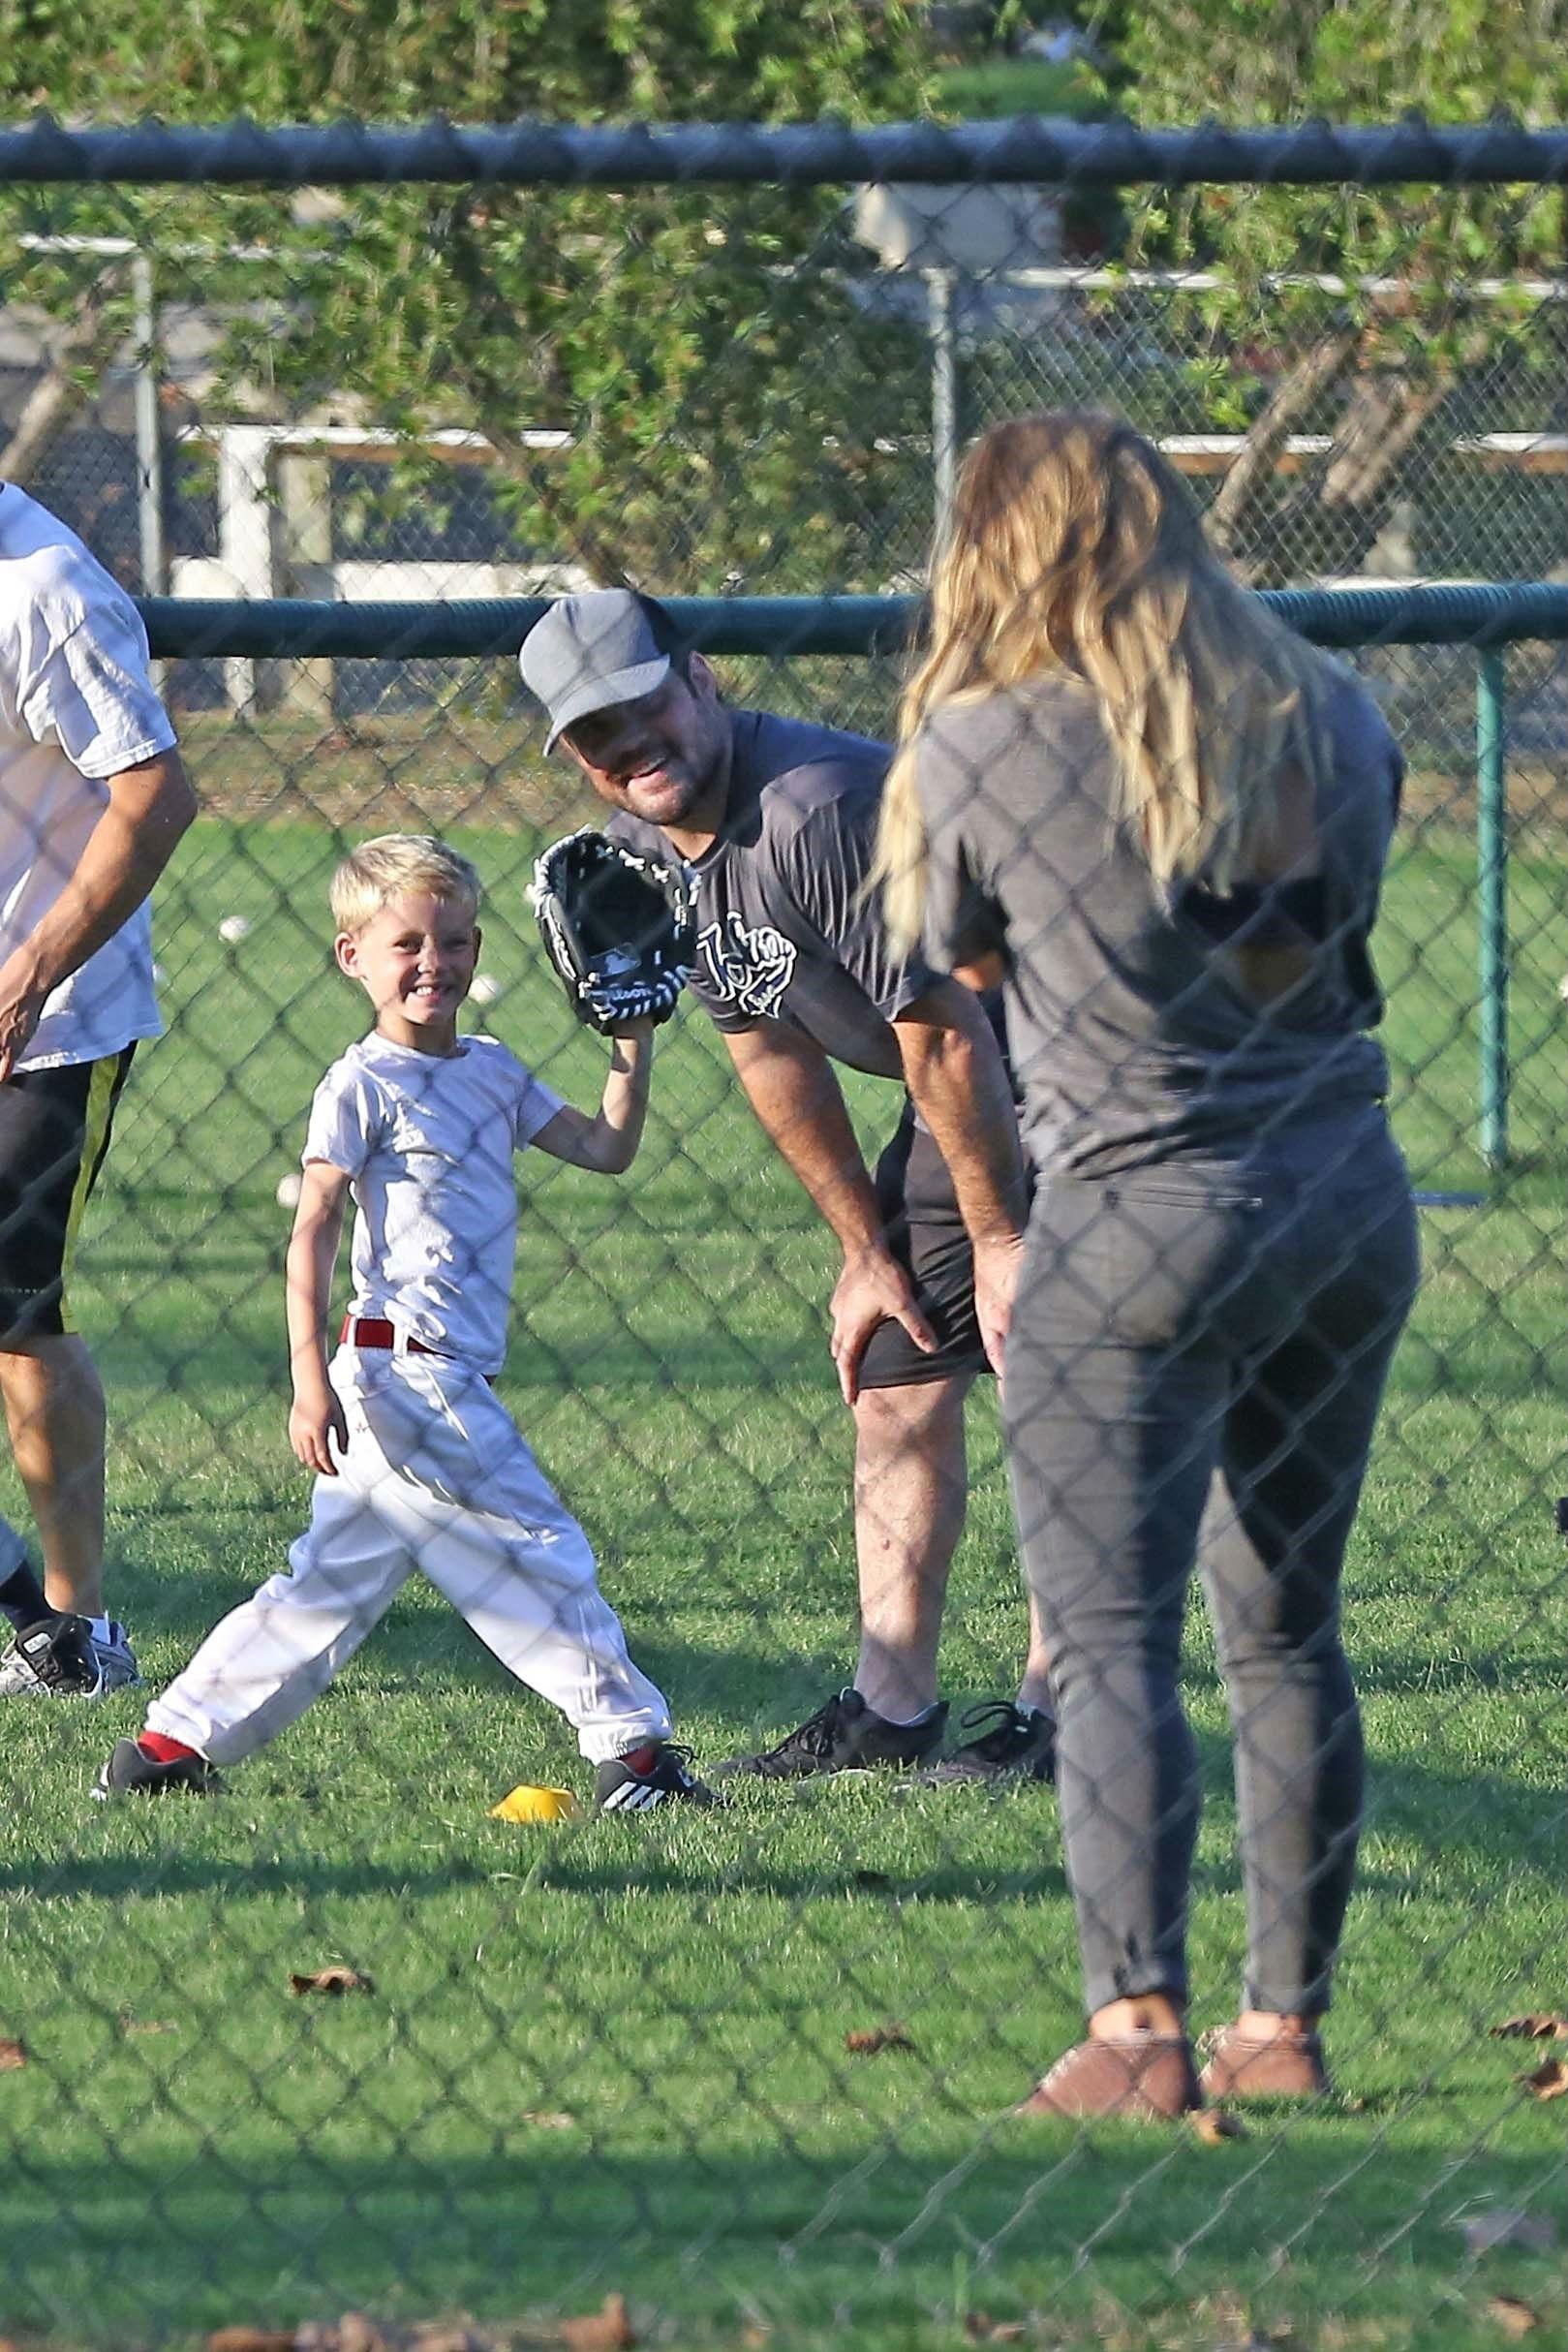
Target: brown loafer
1148, 2075
1284, 2066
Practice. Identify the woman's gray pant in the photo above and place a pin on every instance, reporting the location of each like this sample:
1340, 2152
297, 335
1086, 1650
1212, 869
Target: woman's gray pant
1214, 1332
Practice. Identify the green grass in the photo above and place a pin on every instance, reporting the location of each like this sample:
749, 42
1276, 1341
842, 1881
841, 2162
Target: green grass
681, 1989
989, 87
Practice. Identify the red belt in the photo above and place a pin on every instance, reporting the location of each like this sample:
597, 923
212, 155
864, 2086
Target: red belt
375, 1331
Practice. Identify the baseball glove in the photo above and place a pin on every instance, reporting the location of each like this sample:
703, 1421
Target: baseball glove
618, 928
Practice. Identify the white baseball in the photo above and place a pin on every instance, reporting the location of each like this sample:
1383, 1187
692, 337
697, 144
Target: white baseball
484, 988
289, 1188
234, 927
159, 975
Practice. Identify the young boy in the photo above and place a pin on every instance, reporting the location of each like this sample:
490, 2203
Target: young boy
418, 1464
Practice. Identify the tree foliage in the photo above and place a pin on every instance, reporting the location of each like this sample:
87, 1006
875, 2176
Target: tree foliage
723, 393
1420, 331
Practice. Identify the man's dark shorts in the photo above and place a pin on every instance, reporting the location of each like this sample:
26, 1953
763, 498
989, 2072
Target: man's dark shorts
926, 1234
54, 1131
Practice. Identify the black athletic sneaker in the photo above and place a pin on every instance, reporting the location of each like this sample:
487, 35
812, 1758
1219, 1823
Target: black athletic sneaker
53, 1660
843, 1736
1020, 1746
656, 1775
132, 1772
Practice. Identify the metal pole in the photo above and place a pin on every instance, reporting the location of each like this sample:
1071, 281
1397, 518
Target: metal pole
149, 434
1491, 885
943, 392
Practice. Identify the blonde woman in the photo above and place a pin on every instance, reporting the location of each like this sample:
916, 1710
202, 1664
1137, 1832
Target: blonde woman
1162, 820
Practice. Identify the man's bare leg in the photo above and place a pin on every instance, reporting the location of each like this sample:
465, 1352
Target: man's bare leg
910, 1491
55, 1412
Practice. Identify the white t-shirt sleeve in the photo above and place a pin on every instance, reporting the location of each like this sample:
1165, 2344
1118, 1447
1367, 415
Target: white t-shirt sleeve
537, 1105
86, 675
348, 1119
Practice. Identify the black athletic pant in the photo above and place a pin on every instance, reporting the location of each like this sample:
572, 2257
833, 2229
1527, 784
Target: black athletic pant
1223, 1328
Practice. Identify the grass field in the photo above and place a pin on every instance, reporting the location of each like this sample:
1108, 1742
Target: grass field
612, 2056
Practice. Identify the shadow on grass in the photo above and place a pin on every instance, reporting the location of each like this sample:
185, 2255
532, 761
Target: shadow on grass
1417, 1674
424, 1661
604, 1861
758, 2216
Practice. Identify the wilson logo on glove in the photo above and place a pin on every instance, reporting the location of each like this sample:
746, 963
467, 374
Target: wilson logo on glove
618, 929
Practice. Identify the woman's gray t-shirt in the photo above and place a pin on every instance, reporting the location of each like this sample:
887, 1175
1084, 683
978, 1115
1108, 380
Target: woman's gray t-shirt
1132, 1035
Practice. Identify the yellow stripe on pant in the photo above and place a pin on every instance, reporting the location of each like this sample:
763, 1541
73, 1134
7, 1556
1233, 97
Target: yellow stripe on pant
102, 1091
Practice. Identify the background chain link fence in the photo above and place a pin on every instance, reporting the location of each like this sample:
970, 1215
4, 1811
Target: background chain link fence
631, 2059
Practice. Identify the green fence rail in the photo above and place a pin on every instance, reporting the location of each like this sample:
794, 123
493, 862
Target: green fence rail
1482, 618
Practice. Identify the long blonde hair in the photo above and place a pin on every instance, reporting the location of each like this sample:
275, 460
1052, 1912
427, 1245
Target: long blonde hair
1075, 549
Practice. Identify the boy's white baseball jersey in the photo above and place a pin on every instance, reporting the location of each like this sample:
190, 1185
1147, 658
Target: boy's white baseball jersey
437, 1476
427, 1141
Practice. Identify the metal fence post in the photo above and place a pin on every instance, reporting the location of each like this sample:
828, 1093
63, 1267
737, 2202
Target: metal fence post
943, 393
149, 430
1491, 891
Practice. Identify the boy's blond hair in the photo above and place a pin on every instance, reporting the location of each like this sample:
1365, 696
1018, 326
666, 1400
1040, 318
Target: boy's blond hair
395, 865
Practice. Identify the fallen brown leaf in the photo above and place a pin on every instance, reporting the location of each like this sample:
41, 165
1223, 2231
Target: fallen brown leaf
865, 2040
755, 2337
609, 2328
1217, 2123
334, 1980
1547, 2081
1506, 2225
1542, 2027
13, 2054
1513, 2315
146, 2024
550, 2123
437, 2338
981, 2328
251, 2340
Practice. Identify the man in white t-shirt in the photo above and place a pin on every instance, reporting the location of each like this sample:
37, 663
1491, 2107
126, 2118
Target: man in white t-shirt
93, 799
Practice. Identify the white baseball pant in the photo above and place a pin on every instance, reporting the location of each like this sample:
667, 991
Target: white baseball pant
437, 1477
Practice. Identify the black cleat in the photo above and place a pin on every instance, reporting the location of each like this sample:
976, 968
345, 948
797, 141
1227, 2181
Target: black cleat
1020, 1747
842, 1736
132, 1773
648, 1776
55, 1660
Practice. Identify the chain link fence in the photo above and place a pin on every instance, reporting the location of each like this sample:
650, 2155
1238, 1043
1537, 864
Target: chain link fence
345, 2042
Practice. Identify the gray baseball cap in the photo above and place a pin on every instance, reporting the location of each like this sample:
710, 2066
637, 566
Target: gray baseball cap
589, 652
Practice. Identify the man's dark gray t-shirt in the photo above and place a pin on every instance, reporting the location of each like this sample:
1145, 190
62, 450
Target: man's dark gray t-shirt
1133, 1038
784, 931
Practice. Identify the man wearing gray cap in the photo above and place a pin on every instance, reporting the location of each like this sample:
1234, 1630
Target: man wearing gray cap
774, 821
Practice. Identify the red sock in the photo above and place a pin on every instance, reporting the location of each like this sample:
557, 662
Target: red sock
162, 1749
641, 1760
